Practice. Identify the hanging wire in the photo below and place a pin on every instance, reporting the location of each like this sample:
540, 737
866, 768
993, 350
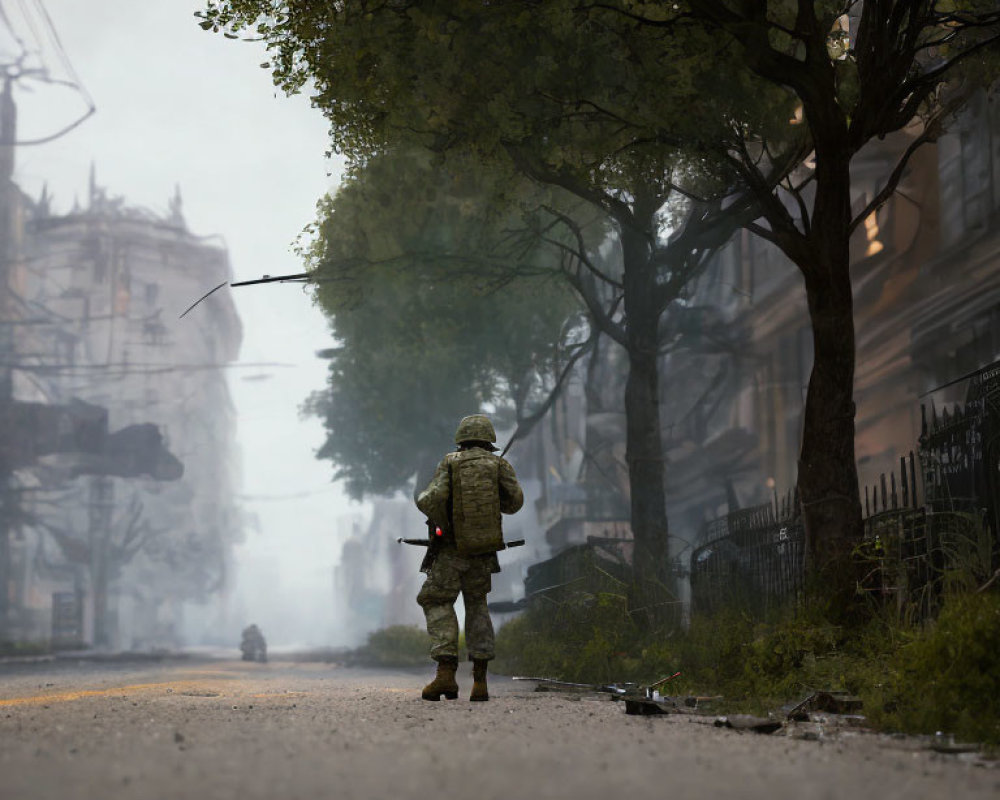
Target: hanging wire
43, 74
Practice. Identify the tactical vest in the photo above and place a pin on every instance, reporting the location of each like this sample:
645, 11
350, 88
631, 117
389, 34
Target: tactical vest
475, 502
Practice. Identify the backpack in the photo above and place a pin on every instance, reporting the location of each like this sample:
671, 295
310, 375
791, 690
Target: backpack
475, 502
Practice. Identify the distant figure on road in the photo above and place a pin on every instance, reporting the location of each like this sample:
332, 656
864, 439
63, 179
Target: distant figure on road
470, 489
253, 645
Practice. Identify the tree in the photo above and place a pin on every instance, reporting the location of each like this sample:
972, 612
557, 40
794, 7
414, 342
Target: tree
115, 533
441, 301
859, 72
566, 99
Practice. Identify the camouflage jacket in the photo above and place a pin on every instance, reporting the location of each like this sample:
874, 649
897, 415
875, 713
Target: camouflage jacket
436, 501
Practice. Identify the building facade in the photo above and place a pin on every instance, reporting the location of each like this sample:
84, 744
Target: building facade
109, 556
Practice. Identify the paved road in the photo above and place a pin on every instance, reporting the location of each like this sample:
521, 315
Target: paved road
224, 729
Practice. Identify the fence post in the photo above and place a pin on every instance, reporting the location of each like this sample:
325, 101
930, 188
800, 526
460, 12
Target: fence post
903, 482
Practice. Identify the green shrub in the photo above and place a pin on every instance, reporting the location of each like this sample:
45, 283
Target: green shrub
754, 665
8, 648
395, 646
947, 677
589, 638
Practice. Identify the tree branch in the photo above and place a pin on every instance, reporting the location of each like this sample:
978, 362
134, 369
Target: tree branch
617, 209
526, 424
893, 180
588, 294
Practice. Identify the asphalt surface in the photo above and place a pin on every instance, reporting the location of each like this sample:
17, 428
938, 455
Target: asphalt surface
226, 729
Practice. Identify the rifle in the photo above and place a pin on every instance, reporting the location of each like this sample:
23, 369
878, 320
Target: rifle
434, 535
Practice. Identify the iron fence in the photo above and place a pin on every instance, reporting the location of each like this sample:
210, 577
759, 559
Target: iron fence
934, 525
752, 557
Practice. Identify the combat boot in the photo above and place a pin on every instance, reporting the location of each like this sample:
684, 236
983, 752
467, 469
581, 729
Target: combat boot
479, 691
444, 682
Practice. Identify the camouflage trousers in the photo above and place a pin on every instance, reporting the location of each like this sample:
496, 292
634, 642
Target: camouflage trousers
450, 574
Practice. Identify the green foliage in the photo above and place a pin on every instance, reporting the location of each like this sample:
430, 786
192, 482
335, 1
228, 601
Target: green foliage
944, 677
592, 92
962, 560
966, 546
761, 665
21, 649
588, 642
621, 103
947, 677
751, 663
441, 302
626, 117
395, 646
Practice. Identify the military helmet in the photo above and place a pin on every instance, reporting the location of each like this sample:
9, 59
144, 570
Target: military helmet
475, 428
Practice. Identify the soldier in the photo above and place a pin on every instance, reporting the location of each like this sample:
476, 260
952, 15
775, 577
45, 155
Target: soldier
470, 489
253, 645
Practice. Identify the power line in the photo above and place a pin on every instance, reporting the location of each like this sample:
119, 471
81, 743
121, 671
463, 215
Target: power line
43, 74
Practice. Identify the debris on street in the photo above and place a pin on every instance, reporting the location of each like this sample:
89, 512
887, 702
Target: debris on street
616, 690
644, 706
748, 722
830, 702
821, 716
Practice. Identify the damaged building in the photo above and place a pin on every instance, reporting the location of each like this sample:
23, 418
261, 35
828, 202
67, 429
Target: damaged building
119, 505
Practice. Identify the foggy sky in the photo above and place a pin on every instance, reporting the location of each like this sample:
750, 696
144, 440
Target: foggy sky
178, 105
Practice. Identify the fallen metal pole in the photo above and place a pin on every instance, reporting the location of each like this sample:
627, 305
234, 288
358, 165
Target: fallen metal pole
610, 688
299, 276
662, 681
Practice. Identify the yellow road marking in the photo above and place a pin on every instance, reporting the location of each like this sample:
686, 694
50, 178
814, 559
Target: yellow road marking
79, 694
209, 672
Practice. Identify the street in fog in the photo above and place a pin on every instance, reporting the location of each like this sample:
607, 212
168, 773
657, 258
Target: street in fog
226, 729
671, 339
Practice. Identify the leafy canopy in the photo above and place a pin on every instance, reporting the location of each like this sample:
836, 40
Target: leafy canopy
440, 303
587, 93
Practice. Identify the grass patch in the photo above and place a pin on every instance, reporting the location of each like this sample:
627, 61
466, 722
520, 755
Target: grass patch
8, 649
943, 676
947, 677
395, 646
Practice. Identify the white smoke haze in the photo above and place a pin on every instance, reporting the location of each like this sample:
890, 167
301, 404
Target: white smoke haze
179, 107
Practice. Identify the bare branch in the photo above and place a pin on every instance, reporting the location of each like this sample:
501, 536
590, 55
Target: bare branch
890, 186
581, 252
526, 424
935, 74
764, 233
803, 210
587, 292
616, 208
770, 206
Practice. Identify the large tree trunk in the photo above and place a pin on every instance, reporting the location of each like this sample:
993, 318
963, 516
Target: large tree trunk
644, 449
827, 475
828, 479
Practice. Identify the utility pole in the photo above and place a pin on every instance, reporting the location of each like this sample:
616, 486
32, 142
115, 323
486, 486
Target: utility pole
30, 31
9, 242
99, 533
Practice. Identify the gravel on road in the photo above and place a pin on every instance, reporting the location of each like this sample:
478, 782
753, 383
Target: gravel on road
228, 729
